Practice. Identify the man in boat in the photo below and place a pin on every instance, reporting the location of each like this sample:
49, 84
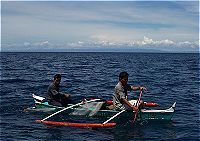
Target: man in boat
54, 96
120, 97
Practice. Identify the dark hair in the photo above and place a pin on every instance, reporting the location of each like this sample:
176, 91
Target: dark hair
57, 76
122, 75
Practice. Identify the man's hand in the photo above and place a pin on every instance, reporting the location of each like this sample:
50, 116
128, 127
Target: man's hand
134, 108
67, 95
143, 88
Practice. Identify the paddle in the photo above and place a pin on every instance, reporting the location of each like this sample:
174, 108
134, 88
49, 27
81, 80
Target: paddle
68, 108
138, 102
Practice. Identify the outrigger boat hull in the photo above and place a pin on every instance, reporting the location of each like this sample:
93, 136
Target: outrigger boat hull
144, 114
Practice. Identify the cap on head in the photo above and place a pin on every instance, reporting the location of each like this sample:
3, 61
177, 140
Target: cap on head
123, 75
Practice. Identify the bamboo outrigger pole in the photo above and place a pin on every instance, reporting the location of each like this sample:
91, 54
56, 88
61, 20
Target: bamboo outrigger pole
68, 108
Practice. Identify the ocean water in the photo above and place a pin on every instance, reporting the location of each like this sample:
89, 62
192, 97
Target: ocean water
169, 78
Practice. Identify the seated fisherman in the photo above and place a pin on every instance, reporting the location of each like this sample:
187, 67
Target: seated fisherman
54, 96
120, 101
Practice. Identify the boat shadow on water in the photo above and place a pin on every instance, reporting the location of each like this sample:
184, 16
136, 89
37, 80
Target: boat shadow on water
124, 130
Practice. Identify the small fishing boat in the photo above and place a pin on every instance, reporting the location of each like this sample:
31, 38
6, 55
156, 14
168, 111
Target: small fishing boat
144, 114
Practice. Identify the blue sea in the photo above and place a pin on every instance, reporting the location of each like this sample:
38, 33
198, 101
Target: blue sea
169, 78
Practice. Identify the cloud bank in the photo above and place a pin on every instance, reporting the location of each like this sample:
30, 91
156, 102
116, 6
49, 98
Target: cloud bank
100, 25
144, 45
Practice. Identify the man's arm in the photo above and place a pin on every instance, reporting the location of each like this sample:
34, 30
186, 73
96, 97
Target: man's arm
135, 88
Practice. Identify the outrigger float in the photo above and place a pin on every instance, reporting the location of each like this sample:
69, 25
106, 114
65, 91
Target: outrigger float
144, 114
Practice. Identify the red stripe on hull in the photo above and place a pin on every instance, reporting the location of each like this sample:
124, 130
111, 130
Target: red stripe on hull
150, 104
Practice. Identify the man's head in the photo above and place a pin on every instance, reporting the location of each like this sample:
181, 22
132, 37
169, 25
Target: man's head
123, 77
57, 79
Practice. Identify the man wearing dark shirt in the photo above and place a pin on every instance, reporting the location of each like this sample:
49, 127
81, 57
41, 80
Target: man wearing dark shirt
53, 94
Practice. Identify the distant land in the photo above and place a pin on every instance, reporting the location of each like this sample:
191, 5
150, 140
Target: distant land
134, 50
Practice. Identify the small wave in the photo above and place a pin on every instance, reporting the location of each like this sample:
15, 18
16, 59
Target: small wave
14, 80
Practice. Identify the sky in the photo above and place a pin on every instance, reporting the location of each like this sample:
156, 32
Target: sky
171, 26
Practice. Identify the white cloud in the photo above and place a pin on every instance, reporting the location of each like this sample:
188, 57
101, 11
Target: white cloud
166, 42
45, 43
147, 41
